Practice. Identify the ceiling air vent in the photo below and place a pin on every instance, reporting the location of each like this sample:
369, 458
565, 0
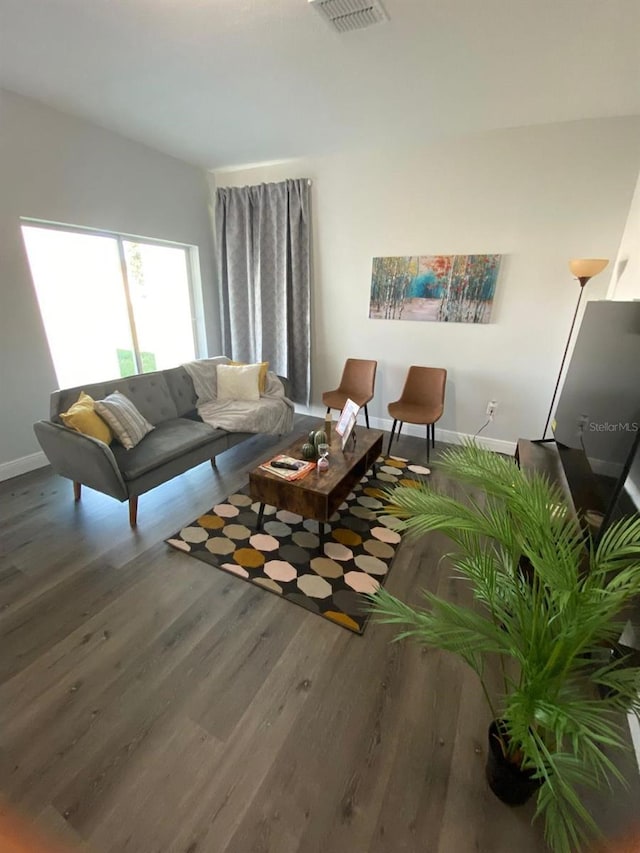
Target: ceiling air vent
346, 15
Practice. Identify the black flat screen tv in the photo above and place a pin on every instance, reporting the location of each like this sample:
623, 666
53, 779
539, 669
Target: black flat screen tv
597, 419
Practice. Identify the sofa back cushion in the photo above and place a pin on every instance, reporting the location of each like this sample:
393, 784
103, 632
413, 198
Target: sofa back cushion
182, 390
149, 392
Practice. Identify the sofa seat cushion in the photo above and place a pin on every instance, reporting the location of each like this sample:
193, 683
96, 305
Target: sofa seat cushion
168, 441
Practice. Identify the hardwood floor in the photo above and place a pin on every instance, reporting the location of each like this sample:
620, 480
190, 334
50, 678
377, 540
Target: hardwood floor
149, 703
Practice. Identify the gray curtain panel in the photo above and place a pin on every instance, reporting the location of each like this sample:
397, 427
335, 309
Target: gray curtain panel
264, 269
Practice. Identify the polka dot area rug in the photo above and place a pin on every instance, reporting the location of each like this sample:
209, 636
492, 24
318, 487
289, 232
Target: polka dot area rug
284, 556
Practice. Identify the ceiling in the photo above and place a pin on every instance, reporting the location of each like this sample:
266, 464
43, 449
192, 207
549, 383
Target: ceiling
230, 82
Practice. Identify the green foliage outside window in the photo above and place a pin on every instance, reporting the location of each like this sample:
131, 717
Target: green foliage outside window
127, 362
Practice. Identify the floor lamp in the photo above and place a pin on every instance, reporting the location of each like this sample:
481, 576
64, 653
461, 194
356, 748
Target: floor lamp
583, 269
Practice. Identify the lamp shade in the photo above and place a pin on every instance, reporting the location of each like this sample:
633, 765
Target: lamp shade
586, 268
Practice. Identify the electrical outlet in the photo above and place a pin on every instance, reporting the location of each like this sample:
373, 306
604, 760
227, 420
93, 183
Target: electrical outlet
492, 405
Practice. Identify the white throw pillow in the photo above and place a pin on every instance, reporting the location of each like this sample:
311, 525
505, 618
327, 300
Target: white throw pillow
238, 382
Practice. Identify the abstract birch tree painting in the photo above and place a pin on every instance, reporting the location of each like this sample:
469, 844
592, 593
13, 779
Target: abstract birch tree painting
440, 288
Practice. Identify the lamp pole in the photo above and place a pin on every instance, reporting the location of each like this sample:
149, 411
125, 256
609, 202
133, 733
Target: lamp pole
583, 269
564, 358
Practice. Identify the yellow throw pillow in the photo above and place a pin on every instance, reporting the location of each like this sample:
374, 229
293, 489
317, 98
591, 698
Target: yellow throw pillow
83, 418
262, 376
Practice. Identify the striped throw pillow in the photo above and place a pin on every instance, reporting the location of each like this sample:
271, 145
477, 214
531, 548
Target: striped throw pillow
128, 425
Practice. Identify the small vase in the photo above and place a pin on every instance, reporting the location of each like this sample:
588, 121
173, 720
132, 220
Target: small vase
507, 780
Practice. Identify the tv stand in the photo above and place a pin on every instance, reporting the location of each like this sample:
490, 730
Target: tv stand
568, 469
543, 456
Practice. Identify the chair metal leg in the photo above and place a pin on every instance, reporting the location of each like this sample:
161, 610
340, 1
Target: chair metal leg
399, 430
433, 435
366, 415
393, 429
428, 442
328, 409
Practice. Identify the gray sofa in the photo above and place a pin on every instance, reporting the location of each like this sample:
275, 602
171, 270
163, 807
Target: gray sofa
180, 440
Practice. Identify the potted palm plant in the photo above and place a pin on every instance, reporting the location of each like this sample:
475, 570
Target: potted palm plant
547, 606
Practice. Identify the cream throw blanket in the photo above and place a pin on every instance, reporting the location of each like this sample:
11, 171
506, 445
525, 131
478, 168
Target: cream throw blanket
271, 414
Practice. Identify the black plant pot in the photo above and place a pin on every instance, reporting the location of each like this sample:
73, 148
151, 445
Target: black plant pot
508, 782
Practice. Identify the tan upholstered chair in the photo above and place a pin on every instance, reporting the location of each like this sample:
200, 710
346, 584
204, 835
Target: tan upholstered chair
357, 383
422, 401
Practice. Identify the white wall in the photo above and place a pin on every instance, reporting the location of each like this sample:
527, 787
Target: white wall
625, 279
62, 169
539, 196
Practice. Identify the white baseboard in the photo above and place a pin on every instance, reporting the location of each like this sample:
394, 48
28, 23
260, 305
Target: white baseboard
448, 436
22, 465
498, 445
39, 460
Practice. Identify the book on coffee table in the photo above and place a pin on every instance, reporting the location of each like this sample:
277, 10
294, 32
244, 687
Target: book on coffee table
295, 468
348, 415
347, 421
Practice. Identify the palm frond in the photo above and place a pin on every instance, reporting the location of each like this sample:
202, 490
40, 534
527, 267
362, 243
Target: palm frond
446, 626
619, 546
537, 611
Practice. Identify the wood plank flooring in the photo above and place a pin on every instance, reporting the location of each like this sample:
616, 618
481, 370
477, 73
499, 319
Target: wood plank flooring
151, 704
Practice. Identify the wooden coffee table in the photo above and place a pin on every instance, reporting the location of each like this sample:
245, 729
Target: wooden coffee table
319, 494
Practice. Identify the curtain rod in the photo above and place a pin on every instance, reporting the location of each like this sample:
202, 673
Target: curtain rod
264, 184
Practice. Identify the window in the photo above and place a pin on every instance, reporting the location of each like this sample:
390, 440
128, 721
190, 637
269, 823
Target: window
111, 305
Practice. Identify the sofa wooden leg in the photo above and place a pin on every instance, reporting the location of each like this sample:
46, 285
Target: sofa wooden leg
133, 512
77, 491
214, 463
